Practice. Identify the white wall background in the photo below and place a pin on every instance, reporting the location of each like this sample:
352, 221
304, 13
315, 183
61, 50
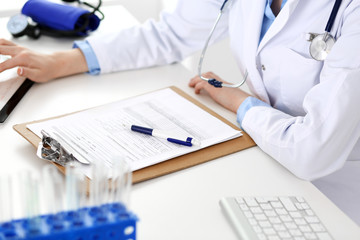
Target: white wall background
218, 59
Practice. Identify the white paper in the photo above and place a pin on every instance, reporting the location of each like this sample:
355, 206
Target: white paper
8, 74
8, 88
9, 82
99, 134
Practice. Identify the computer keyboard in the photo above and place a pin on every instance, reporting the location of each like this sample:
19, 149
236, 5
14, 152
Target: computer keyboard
273, 218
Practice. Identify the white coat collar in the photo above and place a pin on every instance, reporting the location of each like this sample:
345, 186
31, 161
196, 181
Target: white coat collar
279, 22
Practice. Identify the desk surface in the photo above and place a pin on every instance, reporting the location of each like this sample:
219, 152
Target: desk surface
181, 205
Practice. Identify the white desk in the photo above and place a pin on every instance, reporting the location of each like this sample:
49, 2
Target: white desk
181, 205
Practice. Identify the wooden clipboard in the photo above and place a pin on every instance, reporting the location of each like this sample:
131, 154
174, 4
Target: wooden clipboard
174, 164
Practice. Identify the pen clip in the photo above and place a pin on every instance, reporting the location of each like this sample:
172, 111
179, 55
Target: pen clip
51, 150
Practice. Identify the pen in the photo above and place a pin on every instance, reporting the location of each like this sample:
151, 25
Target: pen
186, 141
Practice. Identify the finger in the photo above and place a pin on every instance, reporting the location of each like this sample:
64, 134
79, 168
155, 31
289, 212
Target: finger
194, 80
210, 75
8, 64
9, 50
29, 73
199, 86
6, 42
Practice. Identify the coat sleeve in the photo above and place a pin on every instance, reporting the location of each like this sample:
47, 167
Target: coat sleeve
174, 37
318, 143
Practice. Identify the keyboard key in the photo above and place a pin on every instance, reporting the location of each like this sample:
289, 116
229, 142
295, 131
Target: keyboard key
265, 206
256, 210
274, 220
262, 200
251, 202
309, 212
284, 234
269, 231
281, 211
305, 206
305, 229
265, 224
253, 221
295, 232
279, 227
270, 213
257, 229
274, 238
240, 200
288, 204
243, 206
300, 238
295, 214
262, 236
260, 217
312, 219
291, 225
300, 199
317, 227
324, 236
300, 221
310, 236
276, 204
286, 218
248, 214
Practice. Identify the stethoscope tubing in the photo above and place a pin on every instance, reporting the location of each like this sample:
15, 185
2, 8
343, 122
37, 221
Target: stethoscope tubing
215, 82
333, 14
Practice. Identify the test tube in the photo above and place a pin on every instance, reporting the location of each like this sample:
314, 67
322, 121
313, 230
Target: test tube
75, 193
54, 200
6, 199
53, 186
72, 197
32, 202
98, 184
123, 180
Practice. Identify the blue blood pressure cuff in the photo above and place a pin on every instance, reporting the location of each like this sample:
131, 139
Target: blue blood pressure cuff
60, 18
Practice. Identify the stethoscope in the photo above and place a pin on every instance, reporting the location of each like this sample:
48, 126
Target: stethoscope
320, 46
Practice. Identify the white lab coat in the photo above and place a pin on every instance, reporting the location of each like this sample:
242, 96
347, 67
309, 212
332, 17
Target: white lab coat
314, 125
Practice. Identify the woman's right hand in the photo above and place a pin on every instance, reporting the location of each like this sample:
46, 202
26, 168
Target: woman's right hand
41, 67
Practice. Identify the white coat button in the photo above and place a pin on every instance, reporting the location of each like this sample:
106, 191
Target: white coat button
263, 67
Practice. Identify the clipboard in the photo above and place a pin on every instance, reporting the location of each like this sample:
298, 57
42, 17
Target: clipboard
174, 164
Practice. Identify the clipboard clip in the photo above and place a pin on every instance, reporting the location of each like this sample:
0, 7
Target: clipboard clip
51, 150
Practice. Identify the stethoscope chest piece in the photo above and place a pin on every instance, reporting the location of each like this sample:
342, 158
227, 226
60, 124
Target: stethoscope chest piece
321, 46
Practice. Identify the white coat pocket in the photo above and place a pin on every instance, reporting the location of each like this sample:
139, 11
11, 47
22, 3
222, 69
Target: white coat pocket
298, 74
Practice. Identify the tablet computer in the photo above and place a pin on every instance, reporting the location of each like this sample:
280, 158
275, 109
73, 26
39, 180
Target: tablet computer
11, 92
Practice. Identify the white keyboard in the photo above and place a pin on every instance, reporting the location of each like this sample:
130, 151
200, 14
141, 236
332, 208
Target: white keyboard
273, 218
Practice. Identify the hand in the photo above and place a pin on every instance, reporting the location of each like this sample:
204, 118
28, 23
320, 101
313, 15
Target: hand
230, 98
41, 67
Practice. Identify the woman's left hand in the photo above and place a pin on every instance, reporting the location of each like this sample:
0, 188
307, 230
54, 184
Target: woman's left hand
230, 98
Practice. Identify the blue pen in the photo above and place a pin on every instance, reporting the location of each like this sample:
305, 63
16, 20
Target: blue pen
186, 141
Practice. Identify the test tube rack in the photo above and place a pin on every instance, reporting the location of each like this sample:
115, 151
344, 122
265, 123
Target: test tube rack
105, 222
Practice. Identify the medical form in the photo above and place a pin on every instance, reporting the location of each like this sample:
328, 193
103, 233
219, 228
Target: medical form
99, 133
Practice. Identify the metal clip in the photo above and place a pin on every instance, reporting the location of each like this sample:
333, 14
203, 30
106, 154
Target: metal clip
310, 36
51, 150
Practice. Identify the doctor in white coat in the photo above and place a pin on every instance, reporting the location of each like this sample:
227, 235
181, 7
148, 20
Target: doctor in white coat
303, 112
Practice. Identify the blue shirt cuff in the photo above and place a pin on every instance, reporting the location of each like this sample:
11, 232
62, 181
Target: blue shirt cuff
90, 57
248, 103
